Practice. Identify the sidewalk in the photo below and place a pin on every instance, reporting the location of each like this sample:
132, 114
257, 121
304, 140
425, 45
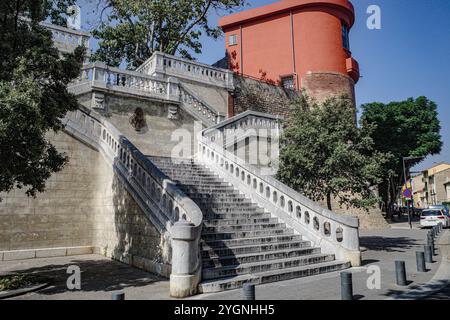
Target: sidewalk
101, 277
382, 249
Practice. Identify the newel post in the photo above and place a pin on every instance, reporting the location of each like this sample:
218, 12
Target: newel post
173, 90
186, 261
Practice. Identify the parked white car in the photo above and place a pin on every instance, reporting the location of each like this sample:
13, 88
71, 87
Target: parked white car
433, 217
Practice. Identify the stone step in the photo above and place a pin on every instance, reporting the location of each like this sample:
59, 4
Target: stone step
196, 178
236, 282
264, 266
232, 222
249, 241
208, 251
241, 259
215, 196
243, 209
187, 173
197, 183
244, 227
246, 234
209, 189
226, 205
228, 201
210, 215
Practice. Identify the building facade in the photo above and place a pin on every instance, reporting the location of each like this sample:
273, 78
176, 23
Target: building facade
296, 44
432, 186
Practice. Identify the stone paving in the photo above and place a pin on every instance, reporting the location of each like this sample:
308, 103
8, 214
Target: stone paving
101, 277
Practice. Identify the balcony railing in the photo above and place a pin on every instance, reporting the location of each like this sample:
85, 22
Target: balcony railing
161, 63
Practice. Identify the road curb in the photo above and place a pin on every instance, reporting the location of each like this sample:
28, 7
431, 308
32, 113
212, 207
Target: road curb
440, 280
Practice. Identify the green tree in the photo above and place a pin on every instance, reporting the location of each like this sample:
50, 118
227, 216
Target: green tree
409, 128
325, 155
134, 29
33, 93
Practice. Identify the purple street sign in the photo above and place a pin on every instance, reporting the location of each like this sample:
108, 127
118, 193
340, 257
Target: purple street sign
407, 193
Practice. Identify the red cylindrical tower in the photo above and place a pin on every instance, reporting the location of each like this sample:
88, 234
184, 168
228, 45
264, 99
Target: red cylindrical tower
304, 43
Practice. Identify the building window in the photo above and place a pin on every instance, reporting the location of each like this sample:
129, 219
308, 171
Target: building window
345, 36
232, 40
288, 82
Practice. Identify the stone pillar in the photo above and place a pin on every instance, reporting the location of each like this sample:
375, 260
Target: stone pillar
186, 261
173, 90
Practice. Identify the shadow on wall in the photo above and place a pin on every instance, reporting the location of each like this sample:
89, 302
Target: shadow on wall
130, 237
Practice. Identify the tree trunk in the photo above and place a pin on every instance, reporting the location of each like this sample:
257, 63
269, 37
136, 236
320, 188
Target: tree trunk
329, 201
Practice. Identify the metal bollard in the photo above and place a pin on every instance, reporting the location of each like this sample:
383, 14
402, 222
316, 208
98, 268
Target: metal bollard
346, 286
118, 296
420, 259
433, 249
400, 273
428, 254
249, 291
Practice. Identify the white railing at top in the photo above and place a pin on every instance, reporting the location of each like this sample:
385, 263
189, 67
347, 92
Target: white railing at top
169, 209
161, 63
336, 234
199, 108
67, 39
235, 129
99, 76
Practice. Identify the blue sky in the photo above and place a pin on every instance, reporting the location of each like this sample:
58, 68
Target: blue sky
408, 57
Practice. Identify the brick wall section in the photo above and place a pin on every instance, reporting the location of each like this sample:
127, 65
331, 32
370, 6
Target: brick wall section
322, 85
251, 94
259, 96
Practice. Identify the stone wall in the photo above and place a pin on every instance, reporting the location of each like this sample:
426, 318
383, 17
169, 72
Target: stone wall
160, 135
259, 96
84, 205
323, 85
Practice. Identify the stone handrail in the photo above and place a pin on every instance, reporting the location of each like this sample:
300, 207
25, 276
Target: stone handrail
101, 77
227, 132
161, 63
336, 234
169, 209
66, 39
199, 108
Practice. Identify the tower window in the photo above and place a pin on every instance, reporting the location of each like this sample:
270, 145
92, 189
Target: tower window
345, 36
232, 41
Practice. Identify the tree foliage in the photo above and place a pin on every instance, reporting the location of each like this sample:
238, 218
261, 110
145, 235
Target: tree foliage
409, 128
325, 155
33, 93
134, 29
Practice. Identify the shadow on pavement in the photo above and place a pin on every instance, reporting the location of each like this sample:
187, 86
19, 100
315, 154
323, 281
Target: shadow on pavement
388, 244
443, 293
95, 276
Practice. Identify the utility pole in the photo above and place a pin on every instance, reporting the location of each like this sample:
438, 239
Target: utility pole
404, 159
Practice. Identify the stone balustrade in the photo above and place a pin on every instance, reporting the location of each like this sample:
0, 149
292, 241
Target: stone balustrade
100, 77
335, 234
239, 127
167, 207
97, 76
165, 64
66, 39
198, 108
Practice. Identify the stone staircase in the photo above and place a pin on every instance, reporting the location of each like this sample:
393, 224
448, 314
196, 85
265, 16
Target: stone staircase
241, 242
